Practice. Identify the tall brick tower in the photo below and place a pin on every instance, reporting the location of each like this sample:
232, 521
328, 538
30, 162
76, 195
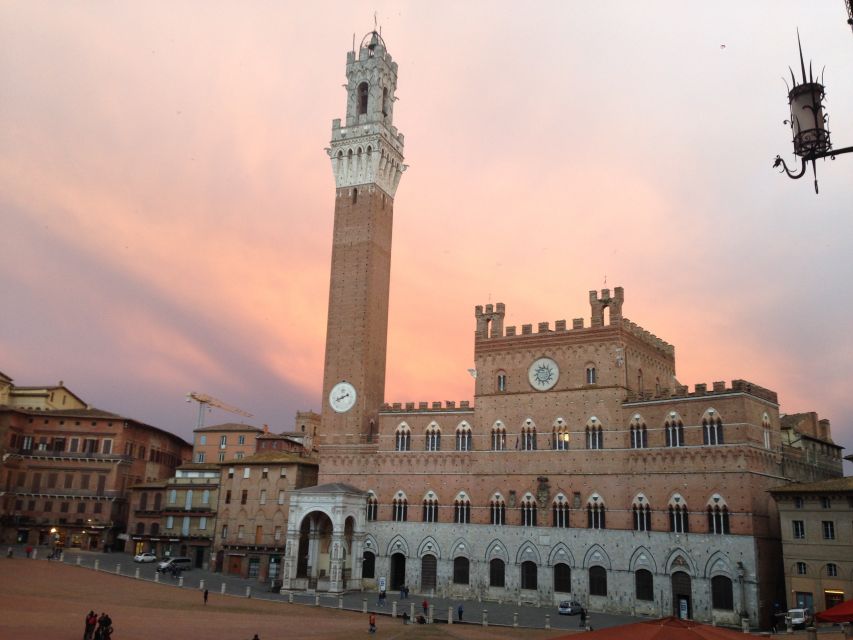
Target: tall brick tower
367, 161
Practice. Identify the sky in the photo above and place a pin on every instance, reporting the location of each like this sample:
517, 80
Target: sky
166, 202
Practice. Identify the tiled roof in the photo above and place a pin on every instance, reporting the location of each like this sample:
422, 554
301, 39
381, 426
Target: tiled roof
822, 486
332, 487
266, 457
229, 426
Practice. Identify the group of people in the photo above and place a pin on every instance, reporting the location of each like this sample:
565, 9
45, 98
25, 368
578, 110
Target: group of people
98, 627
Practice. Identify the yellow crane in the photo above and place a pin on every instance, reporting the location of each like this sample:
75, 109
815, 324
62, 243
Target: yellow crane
205, 401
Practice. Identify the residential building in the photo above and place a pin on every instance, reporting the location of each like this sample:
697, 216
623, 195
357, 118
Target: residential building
220, 442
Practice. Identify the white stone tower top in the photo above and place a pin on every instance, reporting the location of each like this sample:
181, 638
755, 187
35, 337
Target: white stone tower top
368, 149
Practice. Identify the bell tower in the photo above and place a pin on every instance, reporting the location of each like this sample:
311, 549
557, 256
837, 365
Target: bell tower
367, 162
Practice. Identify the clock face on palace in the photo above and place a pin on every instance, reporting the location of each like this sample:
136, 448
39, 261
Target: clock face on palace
342, 397
543, 374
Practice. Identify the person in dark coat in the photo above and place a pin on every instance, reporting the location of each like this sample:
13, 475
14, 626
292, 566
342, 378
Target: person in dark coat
460, 610
91, 623
205, 596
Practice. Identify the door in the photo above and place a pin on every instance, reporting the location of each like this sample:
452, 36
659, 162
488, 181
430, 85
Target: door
199, 557
429, 569
235, 565
398, 571
682, 595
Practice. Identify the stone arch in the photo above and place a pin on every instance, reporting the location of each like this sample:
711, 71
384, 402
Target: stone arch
561, 553
397, 544
642, 558
429, 546
370, 543
461, 547
528, 551
430, 495
679, 560
719, 564
596, 555
496, 549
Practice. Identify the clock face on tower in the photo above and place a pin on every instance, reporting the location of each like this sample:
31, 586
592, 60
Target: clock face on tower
543, 374
342, 397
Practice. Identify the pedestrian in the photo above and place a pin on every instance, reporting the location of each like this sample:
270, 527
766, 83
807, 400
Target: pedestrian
205, 596
407, 591
29, 550
9, 552
382, 596
91, 621
107, 633
371, 623
582, 622
425, 605
460, 611
255, 637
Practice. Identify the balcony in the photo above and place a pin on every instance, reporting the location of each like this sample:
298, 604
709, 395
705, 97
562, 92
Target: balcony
67, 455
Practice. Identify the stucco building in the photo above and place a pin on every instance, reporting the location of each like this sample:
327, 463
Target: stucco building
220, 442
583, 469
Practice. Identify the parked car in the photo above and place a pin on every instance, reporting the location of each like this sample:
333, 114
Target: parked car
569, 608
175, 564
145, 556
800, 618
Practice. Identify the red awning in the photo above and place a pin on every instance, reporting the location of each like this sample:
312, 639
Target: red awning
662, 629
839, 613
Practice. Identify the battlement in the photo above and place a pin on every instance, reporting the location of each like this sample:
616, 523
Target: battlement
701, 390
428, 407
647, 337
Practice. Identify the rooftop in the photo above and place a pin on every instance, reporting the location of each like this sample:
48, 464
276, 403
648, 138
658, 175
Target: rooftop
267, 457
823, 486
229, 426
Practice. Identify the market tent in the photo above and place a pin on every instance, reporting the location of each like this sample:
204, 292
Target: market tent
661, 629
839, 613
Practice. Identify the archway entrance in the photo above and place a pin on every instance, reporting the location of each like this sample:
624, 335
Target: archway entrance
398, 571
429, 570
313, 557
682, 596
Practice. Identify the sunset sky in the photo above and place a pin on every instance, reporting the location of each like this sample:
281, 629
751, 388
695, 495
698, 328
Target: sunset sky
166, 203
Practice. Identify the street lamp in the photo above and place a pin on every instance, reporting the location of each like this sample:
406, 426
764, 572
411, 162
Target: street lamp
808, 123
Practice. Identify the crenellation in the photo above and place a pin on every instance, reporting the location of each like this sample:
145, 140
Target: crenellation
719, 386
526, 329
560, 325
577, 323
510, 331
700, 389
427, 407
544, 327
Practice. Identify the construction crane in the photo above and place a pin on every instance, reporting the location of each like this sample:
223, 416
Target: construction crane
205, 401
849, 4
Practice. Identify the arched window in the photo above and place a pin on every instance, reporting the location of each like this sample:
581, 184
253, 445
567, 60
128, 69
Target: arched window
560, 510
368, 565
642, 515
528, 511
463, 437
400, 508
403, 438
639, 435
372, 507
594, 436
674, 430
501, 381
497, 570
462, 509
529, 575
678, 515
590, 374
712, 428
560, 436
155, 528
718, 516
498, 437
363, 91
433, 438
595, 513
721, 593
562, 578
644, 586
528, 436
140, 528
173, 496
497, 511
461, 569
597, 581
430, 508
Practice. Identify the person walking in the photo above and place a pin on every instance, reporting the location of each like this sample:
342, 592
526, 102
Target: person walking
205, 596
425, 605
582, 622
459, 611
371, 623
91, 621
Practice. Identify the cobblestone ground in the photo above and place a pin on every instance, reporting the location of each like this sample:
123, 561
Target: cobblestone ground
41, 600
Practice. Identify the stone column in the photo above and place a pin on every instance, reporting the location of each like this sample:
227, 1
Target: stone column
336, 563
290, 561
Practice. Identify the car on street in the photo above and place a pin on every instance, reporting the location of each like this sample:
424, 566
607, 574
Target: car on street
800, 618
146, 556
569, 608
175, 565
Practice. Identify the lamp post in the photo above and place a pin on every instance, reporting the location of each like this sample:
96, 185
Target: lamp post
808, 123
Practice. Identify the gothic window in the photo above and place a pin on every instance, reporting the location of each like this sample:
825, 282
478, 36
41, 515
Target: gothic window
718, 516
363, 90
497, 510
528, 436
501, 381
594, 436
400, 508
642, 514
560, 436
433, 438
595, 513
562, 578
497, 570
674, 430
403, 438
372, 507
560, 511
368, 565
463, 437
590, 374
528, 511
639, 435
430, 508
597, 581
461, 570
529, 577
498, 437
721, 593
678, 515
462, 509
712, 428
644, 585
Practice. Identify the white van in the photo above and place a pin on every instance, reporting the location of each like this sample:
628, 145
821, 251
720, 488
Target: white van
800, 618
